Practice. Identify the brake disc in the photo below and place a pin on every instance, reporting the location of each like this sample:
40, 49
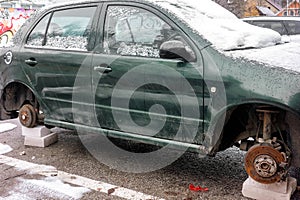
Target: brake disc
262, 163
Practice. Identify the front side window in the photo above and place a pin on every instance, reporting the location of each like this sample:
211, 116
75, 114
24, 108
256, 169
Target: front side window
135, 31
67, 29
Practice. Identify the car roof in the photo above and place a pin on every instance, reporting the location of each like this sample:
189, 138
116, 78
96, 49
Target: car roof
273, 18
71, 2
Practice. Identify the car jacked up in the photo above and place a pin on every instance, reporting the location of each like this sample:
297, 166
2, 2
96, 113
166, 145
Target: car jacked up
183, 74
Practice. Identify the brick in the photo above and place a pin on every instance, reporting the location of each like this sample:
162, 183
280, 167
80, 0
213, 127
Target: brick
276, 191
41, 141
39, 131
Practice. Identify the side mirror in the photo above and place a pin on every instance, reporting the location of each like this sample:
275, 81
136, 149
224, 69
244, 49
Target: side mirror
175, 49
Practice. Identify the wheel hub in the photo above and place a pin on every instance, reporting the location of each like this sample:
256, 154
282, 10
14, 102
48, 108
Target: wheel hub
28, 116
265, 166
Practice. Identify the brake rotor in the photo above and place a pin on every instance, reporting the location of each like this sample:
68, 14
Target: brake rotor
262, 163
27, 116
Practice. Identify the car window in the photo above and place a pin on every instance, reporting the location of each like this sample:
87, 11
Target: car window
293, 27
68, 29
135, 31
274, 25
37, 36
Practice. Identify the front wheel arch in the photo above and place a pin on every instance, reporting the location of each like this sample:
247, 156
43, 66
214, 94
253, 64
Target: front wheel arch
243, 118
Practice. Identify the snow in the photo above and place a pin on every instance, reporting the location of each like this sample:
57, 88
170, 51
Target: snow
226, 33
284, 55
4, 148
69, 42
7, 127
49, 186
219, 26
139, 50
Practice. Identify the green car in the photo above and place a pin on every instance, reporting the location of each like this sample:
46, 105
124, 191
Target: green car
187, 75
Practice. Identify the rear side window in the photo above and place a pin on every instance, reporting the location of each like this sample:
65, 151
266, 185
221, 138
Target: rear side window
67, 29
37, 36
293, 27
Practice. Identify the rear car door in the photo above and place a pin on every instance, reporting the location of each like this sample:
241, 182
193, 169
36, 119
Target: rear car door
136, 90
57, 46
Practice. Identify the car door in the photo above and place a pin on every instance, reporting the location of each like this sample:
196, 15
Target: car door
56, 48
136, 90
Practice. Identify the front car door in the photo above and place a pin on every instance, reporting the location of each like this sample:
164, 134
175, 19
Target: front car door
136, 90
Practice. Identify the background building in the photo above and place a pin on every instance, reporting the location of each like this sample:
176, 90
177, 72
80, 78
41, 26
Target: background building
249, 8
291, 9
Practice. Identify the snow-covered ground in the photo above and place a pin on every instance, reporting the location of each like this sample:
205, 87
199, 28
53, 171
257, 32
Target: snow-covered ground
49, 187
4, 148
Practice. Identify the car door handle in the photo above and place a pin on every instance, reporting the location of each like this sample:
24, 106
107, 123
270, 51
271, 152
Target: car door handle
31, 62
103, 69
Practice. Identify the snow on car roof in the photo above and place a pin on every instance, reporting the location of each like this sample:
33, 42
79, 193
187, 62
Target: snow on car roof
226, 32
219, 26
283, 56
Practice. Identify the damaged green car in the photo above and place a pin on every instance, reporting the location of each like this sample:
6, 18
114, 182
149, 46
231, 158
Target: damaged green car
159, 72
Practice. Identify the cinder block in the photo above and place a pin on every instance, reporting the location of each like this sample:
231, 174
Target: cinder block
41, 141
39, 131
276, 191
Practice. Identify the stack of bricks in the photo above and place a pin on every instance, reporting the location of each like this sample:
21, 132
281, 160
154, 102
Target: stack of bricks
39, 136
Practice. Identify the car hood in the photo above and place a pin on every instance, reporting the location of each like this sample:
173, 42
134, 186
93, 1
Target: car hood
219, 26
283, 56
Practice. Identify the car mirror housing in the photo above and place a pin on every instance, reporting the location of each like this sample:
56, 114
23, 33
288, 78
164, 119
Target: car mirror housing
175, 49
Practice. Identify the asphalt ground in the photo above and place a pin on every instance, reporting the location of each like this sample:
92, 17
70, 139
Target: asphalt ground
223, 175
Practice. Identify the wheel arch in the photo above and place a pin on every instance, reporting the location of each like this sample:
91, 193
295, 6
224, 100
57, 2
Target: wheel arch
237, 121
14, 95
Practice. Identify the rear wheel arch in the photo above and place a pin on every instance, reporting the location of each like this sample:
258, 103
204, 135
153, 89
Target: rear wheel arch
14, 96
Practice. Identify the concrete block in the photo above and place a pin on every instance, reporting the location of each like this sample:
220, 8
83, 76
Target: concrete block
39, 131
41, 141
276, 191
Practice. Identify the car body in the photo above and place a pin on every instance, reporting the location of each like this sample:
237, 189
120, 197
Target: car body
144, 71
288, 27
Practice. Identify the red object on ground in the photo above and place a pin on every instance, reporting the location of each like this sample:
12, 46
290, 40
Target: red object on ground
198, 188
